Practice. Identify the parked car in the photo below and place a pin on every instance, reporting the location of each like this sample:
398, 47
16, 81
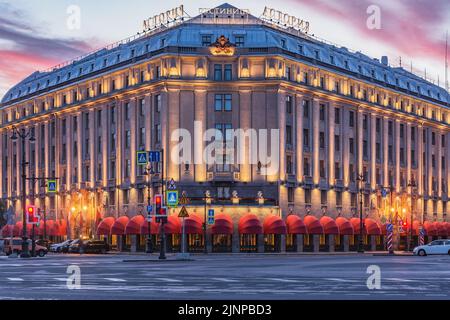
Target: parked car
44, 242
2, 243
14, 245
61, 247
434, 247
88, 246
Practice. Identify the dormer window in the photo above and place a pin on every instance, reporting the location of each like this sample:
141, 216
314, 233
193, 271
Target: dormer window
346, 64
360, 69
80, 71
396, 81
132, 53
317, 53
163, 42
332, 59
300, 49
385, 78
206, 40
104, 62
283, 43
429, 92
373, 73
69, 75
92, 67
239, 41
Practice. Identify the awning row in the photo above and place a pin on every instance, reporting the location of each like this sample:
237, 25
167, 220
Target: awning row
251, 224
53, 228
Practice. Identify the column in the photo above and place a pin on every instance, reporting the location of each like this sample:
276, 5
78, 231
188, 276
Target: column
385, 151
134, 129
373, 151
201, 120
359, 140
439, 163
397, 155
245, 119
299, 136
331, 143
408, 153
420, 182
172, 123
429, 152
316, 132
282, 126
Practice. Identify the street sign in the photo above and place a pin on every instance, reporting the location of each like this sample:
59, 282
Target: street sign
149, 209
51, 186
183, 213
142, 158
184, 199
383, 193
172, 198
171, 185
154, 156
211, 216
149, 218
389, 227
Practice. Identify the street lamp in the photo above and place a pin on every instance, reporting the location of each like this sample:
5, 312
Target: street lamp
412, 185
149, 171
207, 201
23, 135
360, 179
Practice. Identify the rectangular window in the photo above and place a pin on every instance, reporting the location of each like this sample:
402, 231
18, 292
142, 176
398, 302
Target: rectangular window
337, 116
289, 104
217, 72
306, 167
158, 103
206, 40
223, 102
305, 108
351, 119
289, 135
239, 41
228, 72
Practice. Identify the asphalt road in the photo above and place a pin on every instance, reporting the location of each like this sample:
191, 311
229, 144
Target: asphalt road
246, 277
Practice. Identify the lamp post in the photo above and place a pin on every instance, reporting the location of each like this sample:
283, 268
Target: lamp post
207, 201
412, 185
360, 179
149, 171
23, 135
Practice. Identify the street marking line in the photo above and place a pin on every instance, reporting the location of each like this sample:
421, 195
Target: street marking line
61, 279
224, 280
399, 280
168, 279
283, 280
15, 279
341, 280
115, 279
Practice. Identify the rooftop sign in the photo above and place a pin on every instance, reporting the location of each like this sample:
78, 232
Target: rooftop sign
285, 20
164, 19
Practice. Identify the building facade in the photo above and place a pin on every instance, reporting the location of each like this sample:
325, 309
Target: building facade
342, 116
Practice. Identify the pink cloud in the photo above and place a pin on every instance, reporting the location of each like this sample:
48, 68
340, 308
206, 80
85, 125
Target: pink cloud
412, 28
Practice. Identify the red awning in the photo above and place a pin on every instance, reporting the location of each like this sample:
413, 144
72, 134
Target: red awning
430, 228
372, 227
222, 224
193, 225
355, 224
345, 227
447, 225
441, 229
313, 225
134, 225
173, 225
154, 226
118, 228
62, 227
295, 225
17, 231
104, 227
250, 224
7, 231
51, 228
416, 227
274, 225
329, 225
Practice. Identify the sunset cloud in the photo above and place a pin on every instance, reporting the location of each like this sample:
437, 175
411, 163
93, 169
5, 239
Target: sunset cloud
25, 48
412, 28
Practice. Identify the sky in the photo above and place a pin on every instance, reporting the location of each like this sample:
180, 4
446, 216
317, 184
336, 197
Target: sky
37, 35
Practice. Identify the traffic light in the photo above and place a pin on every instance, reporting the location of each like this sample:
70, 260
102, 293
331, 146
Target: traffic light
32, 215
158, 205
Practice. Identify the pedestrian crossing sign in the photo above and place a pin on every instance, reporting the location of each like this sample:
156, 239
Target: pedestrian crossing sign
172, 198
142, 158
51, 186
183, 213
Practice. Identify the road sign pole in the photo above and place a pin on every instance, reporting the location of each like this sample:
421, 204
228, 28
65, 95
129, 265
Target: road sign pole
183, 238
162, 254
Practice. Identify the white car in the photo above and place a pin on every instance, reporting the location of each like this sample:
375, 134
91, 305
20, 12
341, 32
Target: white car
60, 247
434, 247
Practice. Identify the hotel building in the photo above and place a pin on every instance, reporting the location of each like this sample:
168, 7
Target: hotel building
341, 116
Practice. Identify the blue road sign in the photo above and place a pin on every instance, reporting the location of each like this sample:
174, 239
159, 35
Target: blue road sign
149, 209
384, 193
142, 158
51, 186
211, 218
154, 156
172, 198
390, 227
